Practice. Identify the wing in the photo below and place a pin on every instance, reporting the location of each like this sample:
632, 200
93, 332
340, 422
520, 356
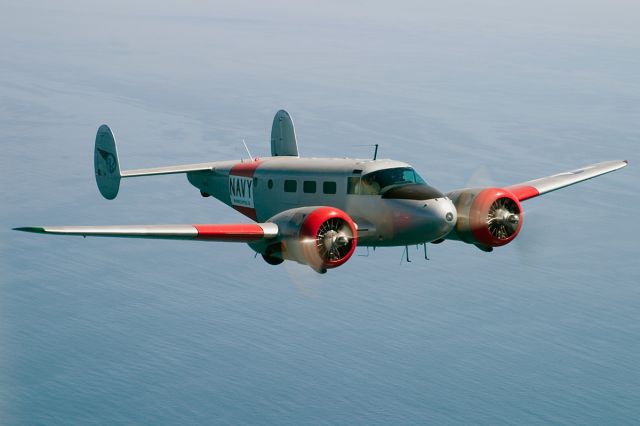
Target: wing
241, 233
536, 187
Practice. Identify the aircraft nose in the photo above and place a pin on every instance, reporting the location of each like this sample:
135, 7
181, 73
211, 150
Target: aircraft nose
444, 212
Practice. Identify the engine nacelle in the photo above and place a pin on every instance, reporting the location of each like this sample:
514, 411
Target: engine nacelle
487, 217
321, 237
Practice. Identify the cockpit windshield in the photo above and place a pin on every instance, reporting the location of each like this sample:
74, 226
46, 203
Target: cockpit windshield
377, 183
397, 183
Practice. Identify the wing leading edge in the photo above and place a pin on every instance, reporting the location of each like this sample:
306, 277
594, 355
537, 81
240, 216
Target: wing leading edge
536, 187
241, 233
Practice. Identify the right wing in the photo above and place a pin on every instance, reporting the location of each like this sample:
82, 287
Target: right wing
242, 233
536, 187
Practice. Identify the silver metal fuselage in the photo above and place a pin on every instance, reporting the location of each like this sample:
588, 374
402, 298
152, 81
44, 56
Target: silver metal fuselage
262, 188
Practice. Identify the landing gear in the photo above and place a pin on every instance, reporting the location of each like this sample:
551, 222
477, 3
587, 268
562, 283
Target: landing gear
204, 194
270, 258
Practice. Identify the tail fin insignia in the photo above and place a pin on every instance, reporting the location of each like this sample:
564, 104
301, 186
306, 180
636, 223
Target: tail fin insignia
109, 158
105, 162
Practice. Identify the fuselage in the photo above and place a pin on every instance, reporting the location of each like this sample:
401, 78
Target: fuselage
390, 203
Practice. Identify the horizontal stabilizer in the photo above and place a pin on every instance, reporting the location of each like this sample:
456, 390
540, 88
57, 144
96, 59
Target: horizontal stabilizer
107, 165
168, 170
213, 232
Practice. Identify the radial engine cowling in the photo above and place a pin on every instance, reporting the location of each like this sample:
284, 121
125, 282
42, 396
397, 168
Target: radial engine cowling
487, 217
321, 237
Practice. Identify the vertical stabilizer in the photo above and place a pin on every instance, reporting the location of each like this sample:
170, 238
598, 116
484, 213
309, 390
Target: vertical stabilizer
283, 136
105, 162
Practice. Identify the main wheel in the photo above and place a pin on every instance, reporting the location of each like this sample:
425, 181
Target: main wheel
272, 260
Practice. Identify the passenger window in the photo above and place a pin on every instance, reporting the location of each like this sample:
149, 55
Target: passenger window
290, 185
270, 183
329, 187
309, 187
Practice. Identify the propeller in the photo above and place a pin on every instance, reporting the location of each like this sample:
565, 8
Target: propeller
503, 218
334, 240
534, 236
304, 280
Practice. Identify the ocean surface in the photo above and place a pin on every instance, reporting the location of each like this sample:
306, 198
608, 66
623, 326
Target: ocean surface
112, 331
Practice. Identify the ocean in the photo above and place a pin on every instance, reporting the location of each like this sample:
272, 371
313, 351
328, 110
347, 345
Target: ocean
545, 330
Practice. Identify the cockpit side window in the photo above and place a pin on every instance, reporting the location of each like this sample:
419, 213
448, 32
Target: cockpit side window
359, 186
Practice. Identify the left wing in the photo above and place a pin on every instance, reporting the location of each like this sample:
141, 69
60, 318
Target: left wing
241, 233
536, 187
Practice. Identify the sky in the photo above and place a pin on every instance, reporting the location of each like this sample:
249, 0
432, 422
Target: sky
544, 330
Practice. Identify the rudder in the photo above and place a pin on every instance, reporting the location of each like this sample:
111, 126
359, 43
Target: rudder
283, 136
105, 162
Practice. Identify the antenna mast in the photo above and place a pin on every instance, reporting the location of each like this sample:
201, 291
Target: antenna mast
245, 147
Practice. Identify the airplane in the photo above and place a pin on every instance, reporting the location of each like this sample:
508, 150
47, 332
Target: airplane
315, 211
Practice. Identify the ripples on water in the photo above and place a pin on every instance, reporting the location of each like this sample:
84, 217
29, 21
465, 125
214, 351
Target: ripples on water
124, 331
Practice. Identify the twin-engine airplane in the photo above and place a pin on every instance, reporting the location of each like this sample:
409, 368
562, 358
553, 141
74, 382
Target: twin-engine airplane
316, 210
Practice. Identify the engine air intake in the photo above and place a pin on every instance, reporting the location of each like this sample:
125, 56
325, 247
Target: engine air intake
329, 238
503, 218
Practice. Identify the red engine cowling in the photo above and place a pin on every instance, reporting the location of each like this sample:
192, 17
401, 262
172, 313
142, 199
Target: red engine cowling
321, 237
487, 217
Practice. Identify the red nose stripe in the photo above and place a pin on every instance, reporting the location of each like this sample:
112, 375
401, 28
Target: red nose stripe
240, 232
524, 192
246, 169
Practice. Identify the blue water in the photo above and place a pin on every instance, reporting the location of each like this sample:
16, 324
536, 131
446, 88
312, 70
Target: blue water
107, 331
